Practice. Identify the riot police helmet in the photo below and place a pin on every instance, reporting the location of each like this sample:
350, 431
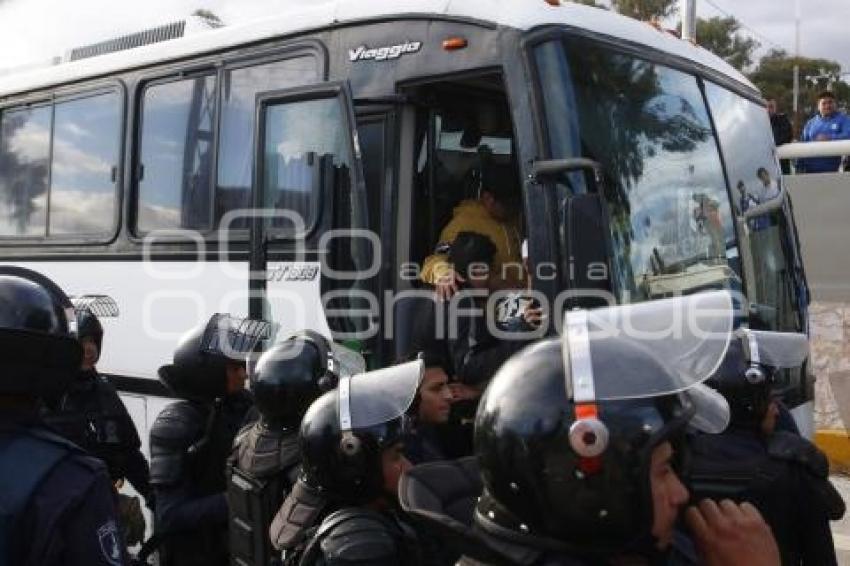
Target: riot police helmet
565, 432
295, 372
345, 431
40, 353
88, 326
199, 369
89, 309
752, 373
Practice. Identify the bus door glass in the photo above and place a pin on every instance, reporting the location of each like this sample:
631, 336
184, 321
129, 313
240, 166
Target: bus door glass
376, 131
313, 248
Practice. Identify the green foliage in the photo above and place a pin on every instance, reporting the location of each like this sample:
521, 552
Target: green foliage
775, 78
721, 37
646, 9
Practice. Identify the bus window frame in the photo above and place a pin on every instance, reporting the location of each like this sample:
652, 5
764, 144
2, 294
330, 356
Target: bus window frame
216, 64
536, 38
51, 99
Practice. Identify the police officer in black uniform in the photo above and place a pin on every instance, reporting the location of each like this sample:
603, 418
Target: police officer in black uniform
91, 414
784, 475
577, 441
191, 440
265, 460
56, 502
351, 450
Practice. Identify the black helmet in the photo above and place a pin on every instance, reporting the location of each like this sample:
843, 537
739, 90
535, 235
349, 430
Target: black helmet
345, 431
39, 353
88, 326
199, 371
750, 374
291, 375
88, 308
565, 432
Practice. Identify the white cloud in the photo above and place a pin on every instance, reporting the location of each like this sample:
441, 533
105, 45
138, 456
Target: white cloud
30, 143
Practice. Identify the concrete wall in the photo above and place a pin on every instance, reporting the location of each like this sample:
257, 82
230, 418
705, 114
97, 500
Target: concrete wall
822, 211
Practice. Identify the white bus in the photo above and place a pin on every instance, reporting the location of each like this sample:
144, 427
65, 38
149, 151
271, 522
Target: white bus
123, 171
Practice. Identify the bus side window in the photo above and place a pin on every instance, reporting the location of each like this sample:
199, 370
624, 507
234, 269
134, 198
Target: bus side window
176, 155
62, 157
85, 155
747, 143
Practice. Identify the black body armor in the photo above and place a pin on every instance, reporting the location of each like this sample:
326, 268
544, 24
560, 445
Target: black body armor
190, 445
91, 415
262, 470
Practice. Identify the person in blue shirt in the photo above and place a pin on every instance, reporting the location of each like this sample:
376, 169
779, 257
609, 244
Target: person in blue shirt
828, 125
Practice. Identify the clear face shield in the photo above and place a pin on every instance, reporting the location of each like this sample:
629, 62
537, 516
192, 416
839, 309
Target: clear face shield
344, 361
677, 344
774, 351
376, 397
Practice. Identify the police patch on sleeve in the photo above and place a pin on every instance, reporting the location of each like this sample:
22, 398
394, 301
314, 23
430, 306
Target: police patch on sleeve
110, 542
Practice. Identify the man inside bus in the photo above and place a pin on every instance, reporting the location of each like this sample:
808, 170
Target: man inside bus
494, 213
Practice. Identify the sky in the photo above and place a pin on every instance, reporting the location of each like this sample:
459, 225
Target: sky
33, 31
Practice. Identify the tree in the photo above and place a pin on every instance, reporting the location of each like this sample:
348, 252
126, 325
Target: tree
721, 37
646, 9
774, 76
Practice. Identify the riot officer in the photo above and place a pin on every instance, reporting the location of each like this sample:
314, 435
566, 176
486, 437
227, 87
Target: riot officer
57, 502
351, 450
578, 442
91, 414
191, 439
265, 460
784, 475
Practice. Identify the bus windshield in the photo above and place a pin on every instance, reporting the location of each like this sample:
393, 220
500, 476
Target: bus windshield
671, 223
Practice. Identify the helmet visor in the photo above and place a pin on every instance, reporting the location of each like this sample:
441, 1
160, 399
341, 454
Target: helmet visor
380, 396
776, 349
234, 337
349, 362
711, 410
647, 349
102, 306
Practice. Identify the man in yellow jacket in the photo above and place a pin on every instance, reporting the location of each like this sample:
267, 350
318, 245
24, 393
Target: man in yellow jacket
492, 214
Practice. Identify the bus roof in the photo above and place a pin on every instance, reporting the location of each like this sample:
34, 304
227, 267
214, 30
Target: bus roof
522, 15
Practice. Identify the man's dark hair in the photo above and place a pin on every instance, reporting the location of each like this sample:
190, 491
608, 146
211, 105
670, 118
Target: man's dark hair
470, 248
826, 94
431, 356
500, 181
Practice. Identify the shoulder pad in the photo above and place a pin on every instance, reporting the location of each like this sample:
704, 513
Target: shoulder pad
360, 536
176, 428
794, 448
178, 425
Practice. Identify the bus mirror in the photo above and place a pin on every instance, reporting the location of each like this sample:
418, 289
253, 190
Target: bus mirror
585, 236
